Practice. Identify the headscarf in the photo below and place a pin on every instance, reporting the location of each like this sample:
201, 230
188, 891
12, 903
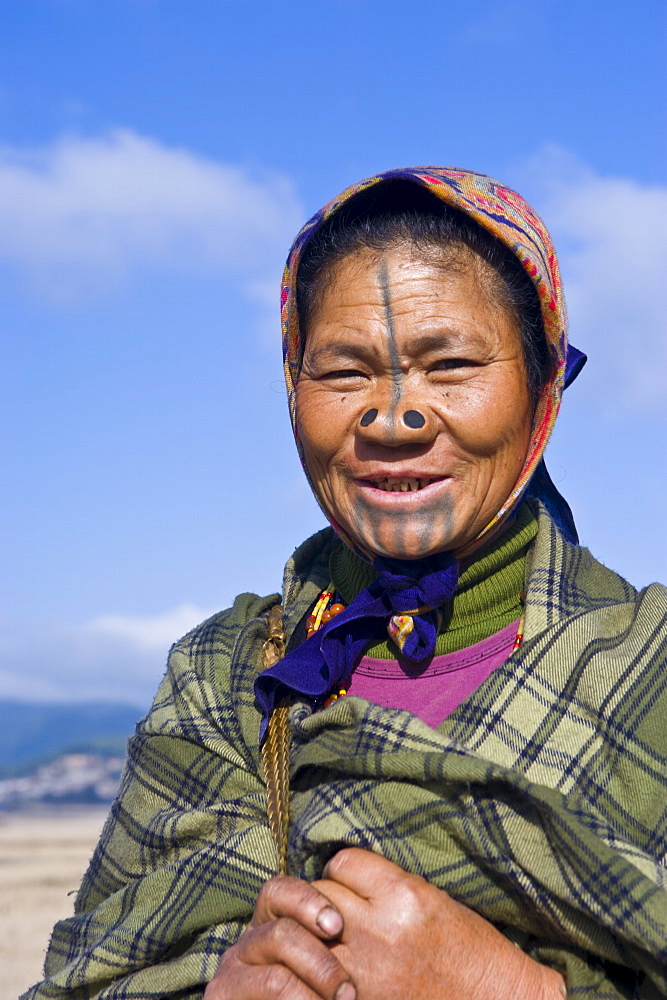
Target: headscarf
420, 586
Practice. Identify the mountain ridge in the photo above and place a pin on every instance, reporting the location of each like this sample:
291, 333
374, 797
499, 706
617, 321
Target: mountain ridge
34, 733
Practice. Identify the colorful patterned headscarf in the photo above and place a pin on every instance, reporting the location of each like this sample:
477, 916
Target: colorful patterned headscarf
506, 215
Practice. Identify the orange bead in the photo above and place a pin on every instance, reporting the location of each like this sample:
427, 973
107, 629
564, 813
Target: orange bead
334, 697
336, 609
326, 617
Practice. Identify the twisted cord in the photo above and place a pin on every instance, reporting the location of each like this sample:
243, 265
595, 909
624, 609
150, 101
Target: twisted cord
276, 746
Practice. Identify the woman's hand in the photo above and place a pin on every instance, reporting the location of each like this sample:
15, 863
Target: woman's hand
403, 937
284, 953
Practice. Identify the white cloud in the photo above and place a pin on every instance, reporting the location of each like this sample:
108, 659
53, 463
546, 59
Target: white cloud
611, 237
113, 658
153, 631
79, 216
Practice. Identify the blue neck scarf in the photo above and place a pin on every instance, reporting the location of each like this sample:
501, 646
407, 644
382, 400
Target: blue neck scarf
406, 593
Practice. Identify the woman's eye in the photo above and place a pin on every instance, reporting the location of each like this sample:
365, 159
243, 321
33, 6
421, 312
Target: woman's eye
343, 373
448, 363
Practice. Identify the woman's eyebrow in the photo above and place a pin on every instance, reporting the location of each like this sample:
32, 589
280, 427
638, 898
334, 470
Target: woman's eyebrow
339, 352
446, 339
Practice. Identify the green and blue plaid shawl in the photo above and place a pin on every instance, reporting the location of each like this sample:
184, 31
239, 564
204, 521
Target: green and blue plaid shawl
541, 802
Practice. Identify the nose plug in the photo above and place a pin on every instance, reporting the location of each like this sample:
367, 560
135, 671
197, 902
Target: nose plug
411, 418
414, 419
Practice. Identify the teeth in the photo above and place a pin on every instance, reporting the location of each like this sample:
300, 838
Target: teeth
393, 485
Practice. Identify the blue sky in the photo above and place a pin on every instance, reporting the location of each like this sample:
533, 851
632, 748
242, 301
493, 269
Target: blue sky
156, 159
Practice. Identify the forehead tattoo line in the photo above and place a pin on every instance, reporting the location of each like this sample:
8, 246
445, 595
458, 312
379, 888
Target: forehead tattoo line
394, 357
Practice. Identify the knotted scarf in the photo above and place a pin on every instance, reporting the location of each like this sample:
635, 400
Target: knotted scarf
402, 600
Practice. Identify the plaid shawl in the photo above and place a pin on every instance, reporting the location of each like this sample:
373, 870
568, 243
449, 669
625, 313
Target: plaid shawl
541, 802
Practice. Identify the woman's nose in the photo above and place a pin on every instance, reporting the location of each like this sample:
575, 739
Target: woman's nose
396, 425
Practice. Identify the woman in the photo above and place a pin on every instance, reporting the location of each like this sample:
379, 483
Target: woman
478, 780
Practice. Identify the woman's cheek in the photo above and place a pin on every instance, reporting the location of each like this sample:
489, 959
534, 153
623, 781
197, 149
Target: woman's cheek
319, 433
490, 422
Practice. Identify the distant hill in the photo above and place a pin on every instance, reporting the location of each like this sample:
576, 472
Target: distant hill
32, 734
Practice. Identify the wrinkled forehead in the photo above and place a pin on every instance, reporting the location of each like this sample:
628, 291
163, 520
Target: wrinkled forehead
400, 273
373, 301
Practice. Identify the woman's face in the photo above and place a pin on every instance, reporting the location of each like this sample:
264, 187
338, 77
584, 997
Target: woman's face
412, 403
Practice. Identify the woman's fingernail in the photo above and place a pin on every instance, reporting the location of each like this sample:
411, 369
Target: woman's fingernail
330, 922
346, 991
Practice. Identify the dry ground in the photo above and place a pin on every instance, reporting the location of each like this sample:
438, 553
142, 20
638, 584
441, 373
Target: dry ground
43, 855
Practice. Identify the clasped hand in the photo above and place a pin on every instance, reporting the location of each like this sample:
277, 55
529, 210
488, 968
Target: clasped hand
370, 931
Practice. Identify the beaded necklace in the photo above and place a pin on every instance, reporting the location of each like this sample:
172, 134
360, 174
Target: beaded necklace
324, 611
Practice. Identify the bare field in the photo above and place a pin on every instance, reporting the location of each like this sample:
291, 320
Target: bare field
43, 855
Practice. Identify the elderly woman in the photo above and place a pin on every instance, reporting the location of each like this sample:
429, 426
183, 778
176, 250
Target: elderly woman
450, 732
